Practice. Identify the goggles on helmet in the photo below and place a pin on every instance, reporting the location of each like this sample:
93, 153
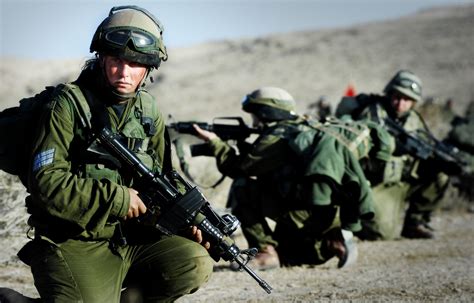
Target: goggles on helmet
409, 84
141, 40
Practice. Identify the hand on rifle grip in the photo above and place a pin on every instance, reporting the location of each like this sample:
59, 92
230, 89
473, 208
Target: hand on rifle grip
136, 206
204, 134
196, 235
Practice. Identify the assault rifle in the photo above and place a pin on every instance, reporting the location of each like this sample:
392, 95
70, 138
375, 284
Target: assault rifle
445, 156
171, 210
233, 128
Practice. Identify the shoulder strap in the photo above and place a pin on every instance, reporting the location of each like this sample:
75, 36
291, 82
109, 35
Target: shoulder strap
81, 105
337, 128
149, 112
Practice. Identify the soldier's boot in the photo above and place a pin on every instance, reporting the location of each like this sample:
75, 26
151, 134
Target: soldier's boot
341, 243
266, 258
416, 226
417, 231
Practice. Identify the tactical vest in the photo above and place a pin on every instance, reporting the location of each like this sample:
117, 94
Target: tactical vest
87, 156
402, 167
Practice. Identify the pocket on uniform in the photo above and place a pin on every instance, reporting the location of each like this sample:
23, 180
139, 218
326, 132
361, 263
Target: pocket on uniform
51, 272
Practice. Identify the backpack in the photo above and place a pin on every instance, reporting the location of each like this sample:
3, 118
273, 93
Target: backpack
354, 106
22, 121
18, 125
362, 138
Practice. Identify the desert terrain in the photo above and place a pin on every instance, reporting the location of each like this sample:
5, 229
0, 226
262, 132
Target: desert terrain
209, 80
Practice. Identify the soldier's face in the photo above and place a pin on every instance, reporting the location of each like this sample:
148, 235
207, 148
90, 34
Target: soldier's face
401, 104
123, 75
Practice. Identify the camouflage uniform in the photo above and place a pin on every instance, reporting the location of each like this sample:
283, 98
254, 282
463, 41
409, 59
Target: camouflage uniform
78, 198
461, 137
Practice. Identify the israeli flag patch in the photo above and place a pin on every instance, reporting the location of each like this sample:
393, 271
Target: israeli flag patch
43, 158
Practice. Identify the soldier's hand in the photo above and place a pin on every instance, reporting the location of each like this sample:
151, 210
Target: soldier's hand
204, 134
136, 207
196, 235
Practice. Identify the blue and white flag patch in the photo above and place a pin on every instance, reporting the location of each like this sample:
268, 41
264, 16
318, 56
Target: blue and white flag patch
43, 158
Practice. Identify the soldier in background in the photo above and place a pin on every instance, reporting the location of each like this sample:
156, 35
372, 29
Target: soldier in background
461, 136
303, 176
321, 108
403, 178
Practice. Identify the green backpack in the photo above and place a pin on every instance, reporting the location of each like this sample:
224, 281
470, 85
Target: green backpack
363, 138
18, 125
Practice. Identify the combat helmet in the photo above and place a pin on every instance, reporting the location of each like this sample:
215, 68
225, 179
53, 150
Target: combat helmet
132, 33
405, 83
270, 104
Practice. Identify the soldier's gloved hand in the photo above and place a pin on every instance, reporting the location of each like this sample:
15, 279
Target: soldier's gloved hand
196, 235
136, 207
204, 134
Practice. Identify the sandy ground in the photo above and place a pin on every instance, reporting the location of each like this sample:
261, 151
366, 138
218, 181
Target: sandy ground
209, 80
438, 270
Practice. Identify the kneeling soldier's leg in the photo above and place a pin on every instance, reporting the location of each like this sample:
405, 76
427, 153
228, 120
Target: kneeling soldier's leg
76, 271
170, 268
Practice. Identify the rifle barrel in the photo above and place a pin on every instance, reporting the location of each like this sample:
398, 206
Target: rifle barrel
259, 280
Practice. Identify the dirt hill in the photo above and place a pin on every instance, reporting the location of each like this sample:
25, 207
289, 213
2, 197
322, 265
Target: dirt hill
210, 79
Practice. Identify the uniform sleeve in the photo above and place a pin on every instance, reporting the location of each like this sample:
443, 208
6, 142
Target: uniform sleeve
85, 202
264, 156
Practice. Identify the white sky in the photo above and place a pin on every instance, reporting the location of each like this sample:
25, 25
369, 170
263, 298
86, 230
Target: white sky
63, 28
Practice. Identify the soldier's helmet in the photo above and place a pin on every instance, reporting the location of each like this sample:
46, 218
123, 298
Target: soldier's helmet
405, 83
270, 104
131, 32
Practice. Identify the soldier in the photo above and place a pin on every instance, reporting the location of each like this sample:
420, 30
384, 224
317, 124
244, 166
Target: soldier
403, 178
461, 137
86, 247
304, 178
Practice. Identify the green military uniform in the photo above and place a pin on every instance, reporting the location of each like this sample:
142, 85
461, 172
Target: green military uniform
300, 177
401, 178
461, 137
77, 200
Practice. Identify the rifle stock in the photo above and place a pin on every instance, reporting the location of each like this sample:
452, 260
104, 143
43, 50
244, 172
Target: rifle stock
171, 210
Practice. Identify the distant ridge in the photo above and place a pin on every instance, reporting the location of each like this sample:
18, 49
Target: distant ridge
210, 79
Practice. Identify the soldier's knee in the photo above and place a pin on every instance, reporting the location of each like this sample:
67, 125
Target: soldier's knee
201, 266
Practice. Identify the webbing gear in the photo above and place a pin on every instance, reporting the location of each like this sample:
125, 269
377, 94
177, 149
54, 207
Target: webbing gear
361, 133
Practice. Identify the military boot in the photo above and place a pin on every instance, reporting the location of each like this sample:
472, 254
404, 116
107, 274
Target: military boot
417, 231
341, 244
266, 258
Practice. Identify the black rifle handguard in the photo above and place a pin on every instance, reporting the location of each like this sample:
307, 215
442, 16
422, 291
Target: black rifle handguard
172, 209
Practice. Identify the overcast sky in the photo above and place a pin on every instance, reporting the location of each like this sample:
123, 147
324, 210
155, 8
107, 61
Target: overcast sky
63, 28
